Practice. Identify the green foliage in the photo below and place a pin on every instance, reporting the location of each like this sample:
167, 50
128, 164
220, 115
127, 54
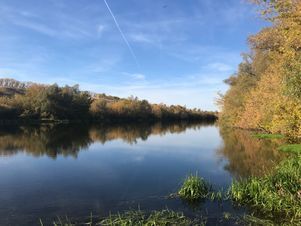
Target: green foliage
268, 136
293, 148
194, 188
276, 196
51, 102
47, 102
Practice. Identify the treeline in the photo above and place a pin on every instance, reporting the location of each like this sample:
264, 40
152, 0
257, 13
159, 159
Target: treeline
29, 101
265, 93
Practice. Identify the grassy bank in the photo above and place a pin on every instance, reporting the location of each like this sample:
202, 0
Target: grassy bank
268, 136
293, 148
156, 218
273, 199
275, 196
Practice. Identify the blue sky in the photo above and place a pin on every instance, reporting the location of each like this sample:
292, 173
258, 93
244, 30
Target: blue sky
184, 48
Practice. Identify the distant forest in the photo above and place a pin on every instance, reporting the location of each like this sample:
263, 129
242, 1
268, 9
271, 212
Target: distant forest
31, 101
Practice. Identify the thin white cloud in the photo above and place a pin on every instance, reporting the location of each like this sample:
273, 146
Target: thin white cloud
201, 97
197, 90
59, 25
138, 76
38, 27
135, 76
100, 29
220, 67
142, 38
102, 65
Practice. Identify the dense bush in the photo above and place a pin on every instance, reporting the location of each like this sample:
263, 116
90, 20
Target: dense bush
47, 102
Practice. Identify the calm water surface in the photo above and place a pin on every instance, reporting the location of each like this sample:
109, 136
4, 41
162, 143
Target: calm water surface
74, 170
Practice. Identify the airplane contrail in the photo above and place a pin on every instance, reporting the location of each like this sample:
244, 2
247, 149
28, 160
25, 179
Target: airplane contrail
122, 34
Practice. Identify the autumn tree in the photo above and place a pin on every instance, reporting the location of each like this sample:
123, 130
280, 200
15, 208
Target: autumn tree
272, 101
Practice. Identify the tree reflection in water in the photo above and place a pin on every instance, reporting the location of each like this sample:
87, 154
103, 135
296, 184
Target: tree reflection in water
69, 139
247, 155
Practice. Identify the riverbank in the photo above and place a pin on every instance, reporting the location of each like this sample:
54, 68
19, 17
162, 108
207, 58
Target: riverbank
276, 196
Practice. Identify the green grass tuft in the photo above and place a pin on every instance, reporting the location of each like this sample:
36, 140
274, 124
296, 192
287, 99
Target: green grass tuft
194, 188
140, 218
252, 220
165, 217
268, 136
294, 148
216, 196
277, 195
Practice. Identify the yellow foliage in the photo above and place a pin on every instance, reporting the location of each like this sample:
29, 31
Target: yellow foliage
273, 101
262, 102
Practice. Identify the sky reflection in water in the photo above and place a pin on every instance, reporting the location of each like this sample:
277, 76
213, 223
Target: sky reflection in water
59, 170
